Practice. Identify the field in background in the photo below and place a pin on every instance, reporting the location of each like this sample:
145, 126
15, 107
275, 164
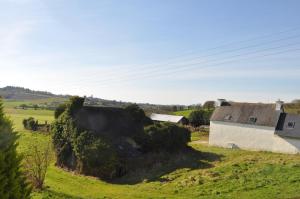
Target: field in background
292, 108
185, 113
210, 173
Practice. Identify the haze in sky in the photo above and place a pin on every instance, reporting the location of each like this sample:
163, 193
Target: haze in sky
167, 52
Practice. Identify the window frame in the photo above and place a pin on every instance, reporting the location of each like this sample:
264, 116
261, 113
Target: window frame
252, 119
228, 117
291, 127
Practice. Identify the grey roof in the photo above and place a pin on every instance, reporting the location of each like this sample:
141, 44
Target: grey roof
284, 130
166, 118
233, 112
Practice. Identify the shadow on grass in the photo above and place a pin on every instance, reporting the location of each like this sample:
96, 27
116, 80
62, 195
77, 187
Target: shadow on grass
154, 166
57, 195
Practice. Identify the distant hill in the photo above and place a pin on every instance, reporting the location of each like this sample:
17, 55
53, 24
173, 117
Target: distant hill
25, 94
20, 93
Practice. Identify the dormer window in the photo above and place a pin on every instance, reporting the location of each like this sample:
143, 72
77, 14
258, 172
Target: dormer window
228, 117
252, 119
291, 125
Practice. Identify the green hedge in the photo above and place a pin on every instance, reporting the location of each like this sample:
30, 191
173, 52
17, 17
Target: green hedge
30, 124
165, 137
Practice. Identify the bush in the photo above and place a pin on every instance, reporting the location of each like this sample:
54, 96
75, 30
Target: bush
138, 115
30, 124
74, 105
165, 137
37, 161
79, 149
196, 118
59, 110
12, 181
95, 156
200, 117
62, 141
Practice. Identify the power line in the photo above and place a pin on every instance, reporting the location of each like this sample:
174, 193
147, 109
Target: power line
154, 68
193, 65
171, 60
214, 65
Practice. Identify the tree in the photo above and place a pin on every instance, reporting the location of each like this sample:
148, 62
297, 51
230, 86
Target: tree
174, 108
197, 118
200, 117
13, 183
209, 105
36, 164
23, 106
30, 124
35, 106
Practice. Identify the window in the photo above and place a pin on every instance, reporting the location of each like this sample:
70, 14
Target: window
291, 125
252, 119
228, 117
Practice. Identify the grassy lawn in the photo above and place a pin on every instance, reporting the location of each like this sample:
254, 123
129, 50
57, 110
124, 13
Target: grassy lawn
209, 172
199, 136
185, 113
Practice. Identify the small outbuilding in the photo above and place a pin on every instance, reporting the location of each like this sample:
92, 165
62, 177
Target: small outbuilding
255, 126
169, 118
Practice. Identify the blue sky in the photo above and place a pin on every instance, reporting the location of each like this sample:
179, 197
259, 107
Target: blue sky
167, 52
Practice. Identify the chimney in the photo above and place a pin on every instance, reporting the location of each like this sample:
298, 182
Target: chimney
279, 105
219, 102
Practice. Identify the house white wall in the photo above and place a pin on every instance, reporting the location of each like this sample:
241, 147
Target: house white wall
286, 145
250, 137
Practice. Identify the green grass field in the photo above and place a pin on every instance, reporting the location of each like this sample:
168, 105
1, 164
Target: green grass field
199, 136
209, 172
185, 113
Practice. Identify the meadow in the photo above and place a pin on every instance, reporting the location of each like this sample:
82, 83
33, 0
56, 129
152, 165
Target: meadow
207, 172
185, 113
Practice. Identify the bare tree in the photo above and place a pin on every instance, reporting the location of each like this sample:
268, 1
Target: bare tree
36, 163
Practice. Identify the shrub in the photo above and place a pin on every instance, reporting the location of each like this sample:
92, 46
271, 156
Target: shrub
79, 149
59, 110
138, 115
36, 163
200, 117
30, 124
74, 105
12, 180
196, 118
62, 141
165, 137
23, 106
95, 156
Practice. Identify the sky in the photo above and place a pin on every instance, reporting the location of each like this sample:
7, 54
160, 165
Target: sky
164, 52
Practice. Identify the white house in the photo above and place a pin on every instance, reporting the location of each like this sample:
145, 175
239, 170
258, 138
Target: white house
255, 126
